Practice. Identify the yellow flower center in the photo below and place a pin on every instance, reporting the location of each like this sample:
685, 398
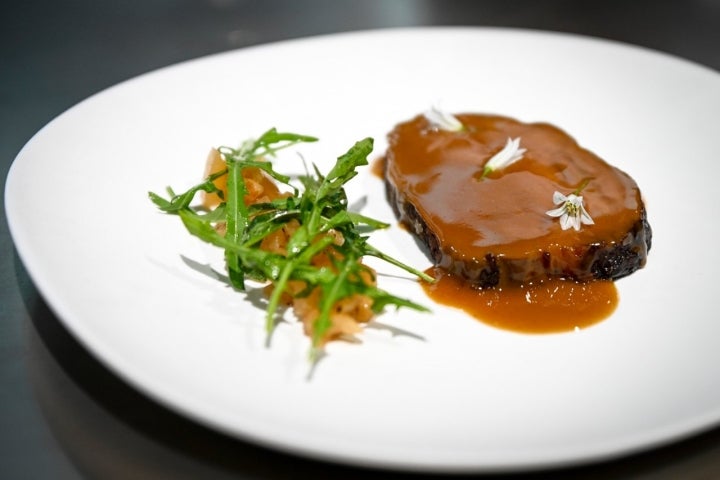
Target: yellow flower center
572, 209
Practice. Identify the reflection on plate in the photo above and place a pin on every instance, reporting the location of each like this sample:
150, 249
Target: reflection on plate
452, 394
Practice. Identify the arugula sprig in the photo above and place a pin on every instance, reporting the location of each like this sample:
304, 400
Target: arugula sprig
321, 213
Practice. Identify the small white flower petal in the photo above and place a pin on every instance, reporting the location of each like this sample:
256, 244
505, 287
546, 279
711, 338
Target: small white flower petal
559, 198
443, 120
584, 217
556, 212
509, 154
566, 221
517, 152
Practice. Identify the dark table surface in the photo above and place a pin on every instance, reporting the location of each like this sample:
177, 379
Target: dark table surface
65, 416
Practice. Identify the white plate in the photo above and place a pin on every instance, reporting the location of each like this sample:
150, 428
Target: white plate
452, 394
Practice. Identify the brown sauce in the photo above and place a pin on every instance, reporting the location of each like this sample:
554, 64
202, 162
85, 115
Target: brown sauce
377, 167
554, 305
545, 283
504, 213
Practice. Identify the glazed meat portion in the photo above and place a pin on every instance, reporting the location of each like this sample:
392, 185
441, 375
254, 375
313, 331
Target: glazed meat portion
491, 228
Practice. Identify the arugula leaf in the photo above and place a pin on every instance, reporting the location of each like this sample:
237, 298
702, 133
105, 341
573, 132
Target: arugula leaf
321, 225
345, 168
183, 201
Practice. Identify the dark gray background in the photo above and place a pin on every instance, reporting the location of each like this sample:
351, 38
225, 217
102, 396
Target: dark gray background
62, 414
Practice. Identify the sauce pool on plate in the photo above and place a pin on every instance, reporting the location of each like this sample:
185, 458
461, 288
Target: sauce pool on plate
553, 305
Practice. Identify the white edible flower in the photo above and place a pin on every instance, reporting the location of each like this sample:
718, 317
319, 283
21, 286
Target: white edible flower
443, 120
572, 212
510, 154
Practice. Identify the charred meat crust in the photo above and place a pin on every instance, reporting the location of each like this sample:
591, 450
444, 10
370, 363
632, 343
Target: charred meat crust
598, 261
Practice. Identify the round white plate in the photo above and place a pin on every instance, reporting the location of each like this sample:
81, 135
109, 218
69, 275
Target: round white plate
435, 391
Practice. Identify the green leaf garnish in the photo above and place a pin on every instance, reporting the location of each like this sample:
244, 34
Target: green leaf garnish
321, 225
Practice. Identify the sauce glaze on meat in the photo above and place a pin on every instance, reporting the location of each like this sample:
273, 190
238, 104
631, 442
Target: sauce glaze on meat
495, 230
